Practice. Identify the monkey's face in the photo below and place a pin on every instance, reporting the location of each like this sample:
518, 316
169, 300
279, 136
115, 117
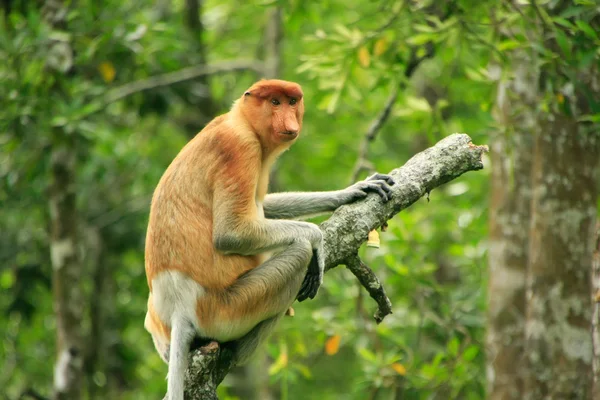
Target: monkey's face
286, 117
275, 110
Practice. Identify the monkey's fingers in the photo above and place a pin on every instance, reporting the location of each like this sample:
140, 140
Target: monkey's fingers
315, 290
382, 177
309, 288
304, 289
379, 187
303, 292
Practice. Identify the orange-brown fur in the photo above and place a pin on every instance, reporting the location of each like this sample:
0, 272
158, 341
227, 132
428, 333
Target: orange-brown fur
227, 163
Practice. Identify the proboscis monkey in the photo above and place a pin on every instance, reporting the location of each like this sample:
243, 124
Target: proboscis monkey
224, 260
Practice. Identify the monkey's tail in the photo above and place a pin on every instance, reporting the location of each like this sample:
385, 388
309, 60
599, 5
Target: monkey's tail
182, 334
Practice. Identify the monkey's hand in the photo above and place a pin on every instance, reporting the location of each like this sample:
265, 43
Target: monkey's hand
378, 183
316, 268
313, 279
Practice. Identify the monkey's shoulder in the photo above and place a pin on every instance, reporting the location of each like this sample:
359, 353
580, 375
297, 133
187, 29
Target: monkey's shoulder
228, 139
215, 123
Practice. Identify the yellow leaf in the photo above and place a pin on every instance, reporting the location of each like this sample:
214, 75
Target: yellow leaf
107, 70
399, 368
560, 98
380, 47
364, 58
332, 345
280, 363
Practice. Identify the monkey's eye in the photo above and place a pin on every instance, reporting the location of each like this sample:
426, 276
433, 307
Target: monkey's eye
293, 101
275, 102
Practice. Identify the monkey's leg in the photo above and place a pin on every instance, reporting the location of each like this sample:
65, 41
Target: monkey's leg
243, 348
272, 287
263, 294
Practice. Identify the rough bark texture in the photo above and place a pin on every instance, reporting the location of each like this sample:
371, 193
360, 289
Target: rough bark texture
350, 225
348, 228
558, 340
510, 203
370, 281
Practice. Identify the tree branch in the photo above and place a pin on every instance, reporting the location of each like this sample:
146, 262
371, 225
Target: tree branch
182, 75
348, 228
362, 163
370, 281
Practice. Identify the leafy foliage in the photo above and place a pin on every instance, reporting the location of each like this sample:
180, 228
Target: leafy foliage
347, 57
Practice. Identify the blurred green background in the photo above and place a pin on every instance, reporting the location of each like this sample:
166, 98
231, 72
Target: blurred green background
348, 57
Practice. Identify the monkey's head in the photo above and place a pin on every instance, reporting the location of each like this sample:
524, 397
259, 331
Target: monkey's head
274, 109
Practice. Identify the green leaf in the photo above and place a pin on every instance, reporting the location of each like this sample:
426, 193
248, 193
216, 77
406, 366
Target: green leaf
58, 121
470, 353
7, 279
586, 59
420, 39
304, 370
60, 36
573, 11
342, 30
367, 355
587, 29
563, 42
453, 346
418, 104
509, 45
425, 28
564, 22
334, 101
595, 118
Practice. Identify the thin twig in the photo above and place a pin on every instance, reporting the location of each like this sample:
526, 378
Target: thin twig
545, 25
362, 162
369, 281
182, 75
481, 40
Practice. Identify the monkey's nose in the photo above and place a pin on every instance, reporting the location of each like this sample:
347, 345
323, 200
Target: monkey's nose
291, 132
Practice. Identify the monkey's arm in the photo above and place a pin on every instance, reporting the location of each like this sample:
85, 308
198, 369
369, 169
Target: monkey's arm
304, 205
248, 237
237, 234
237, 228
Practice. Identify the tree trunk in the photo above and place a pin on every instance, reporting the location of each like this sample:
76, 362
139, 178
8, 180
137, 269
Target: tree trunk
511, 153
272, 45
558, 340
66, 277
199, 95
99, 297
64, 246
